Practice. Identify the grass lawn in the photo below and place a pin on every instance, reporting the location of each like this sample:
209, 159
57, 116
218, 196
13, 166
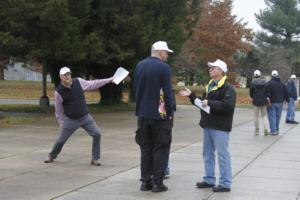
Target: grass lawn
32, 90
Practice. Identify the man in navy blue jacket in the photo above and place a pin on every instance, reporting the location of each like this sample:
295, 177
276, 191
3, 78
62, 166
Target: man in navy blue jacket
292, 92
153, 134
277, 93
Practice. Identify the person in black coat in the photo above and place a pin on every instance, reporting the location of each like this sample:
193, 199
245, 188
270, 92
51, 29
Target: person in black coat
259, 95
217, 108
292, 91
277, 93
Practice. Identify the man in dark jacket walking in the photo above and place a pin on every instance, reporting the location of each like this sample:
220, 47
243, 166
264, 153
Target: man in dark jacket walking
258, 93
292, 91
153, 134
220, 97
277, 93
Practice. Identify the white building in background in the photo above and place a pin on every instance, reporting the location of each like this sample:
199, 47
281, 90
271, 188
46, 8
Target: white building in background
16, 71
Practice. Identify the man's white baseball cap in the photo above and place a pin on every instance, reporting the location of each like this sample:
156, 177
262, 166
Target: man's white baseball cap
218, 63
161, 45
274, 73
293, 76
257, 73
64, 70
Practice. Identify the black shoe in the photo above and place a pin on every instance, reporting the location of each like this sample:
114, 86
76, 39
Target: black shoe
146, 186
287, 121
159, 187
220, 188
293, 122
95, 163
203, 184
50, 159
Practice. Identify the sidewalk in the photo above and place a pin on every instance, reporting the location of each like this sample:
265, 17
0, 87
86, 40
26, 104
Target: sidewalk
263, 167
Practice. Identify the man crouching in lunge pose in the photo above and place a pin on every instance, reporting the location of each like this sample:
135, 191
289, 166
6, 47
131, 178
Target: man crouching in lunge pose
71, 112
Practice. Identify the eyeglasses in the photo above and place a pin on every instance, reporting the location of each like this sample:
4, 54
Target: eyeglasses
67, 74
212, 68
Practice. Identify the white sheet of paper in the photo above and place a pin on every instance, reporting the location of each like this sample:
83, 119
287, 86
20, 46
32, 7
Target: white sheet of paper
199, 103
120, 75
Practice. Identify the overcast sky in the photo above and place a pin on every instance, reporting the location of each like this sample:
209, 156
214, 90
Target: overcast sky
245, 9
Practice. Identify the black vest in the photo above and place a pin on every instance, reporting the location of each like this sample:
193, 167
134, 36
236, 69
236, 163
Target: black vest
73, 100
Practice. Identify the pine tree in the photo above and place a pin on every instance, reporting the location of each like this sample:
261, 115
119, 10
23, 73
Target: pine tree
93, 37
280, 40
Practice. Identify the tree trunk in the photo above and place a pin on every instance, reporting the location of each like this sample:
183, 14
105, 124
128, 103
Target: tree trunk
131, 97
110, 94
54, 73
3, 63
1, 72
44, 99
44, 81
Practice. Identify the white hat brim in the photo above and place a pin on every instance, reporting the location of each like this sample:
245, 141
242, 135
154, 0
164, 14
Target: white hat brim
209, 64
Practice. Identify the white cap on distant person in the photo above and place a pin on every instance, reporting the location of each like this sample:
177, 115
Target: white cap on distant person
274, 73
257, 73
218, 63
293, 76
64, 70
161, 45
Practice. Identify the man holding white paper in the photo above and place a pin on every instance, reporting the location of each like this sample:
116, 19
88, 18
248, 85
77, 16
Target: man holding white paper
216, 123
72, 112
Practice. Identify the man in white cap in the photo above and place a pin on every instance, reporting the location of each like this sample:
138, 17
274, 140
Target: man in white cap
153, 133
71, 112
277, 93
259, 95
220, 97
292, 91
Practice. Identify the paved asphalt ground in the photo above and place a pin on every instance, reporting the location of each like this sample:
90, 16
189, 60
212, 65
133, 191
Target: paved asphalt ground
264, 168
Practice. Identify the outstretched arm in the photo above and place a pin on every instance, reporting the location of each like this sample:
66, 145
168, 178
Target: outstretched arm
94, 84
188, 93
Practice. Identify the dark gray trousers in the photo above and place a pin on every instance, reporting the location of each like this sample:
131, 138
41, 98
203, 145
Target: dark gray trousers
69, 126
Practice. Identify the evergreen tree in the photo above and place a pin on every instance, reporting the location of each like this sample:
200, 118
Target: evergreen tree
128, 28
281, 22
43, 31
93, 37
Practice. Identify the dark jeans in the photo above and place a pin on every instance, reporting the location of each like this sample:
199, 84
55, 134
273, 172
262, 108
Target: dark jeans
154, 138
